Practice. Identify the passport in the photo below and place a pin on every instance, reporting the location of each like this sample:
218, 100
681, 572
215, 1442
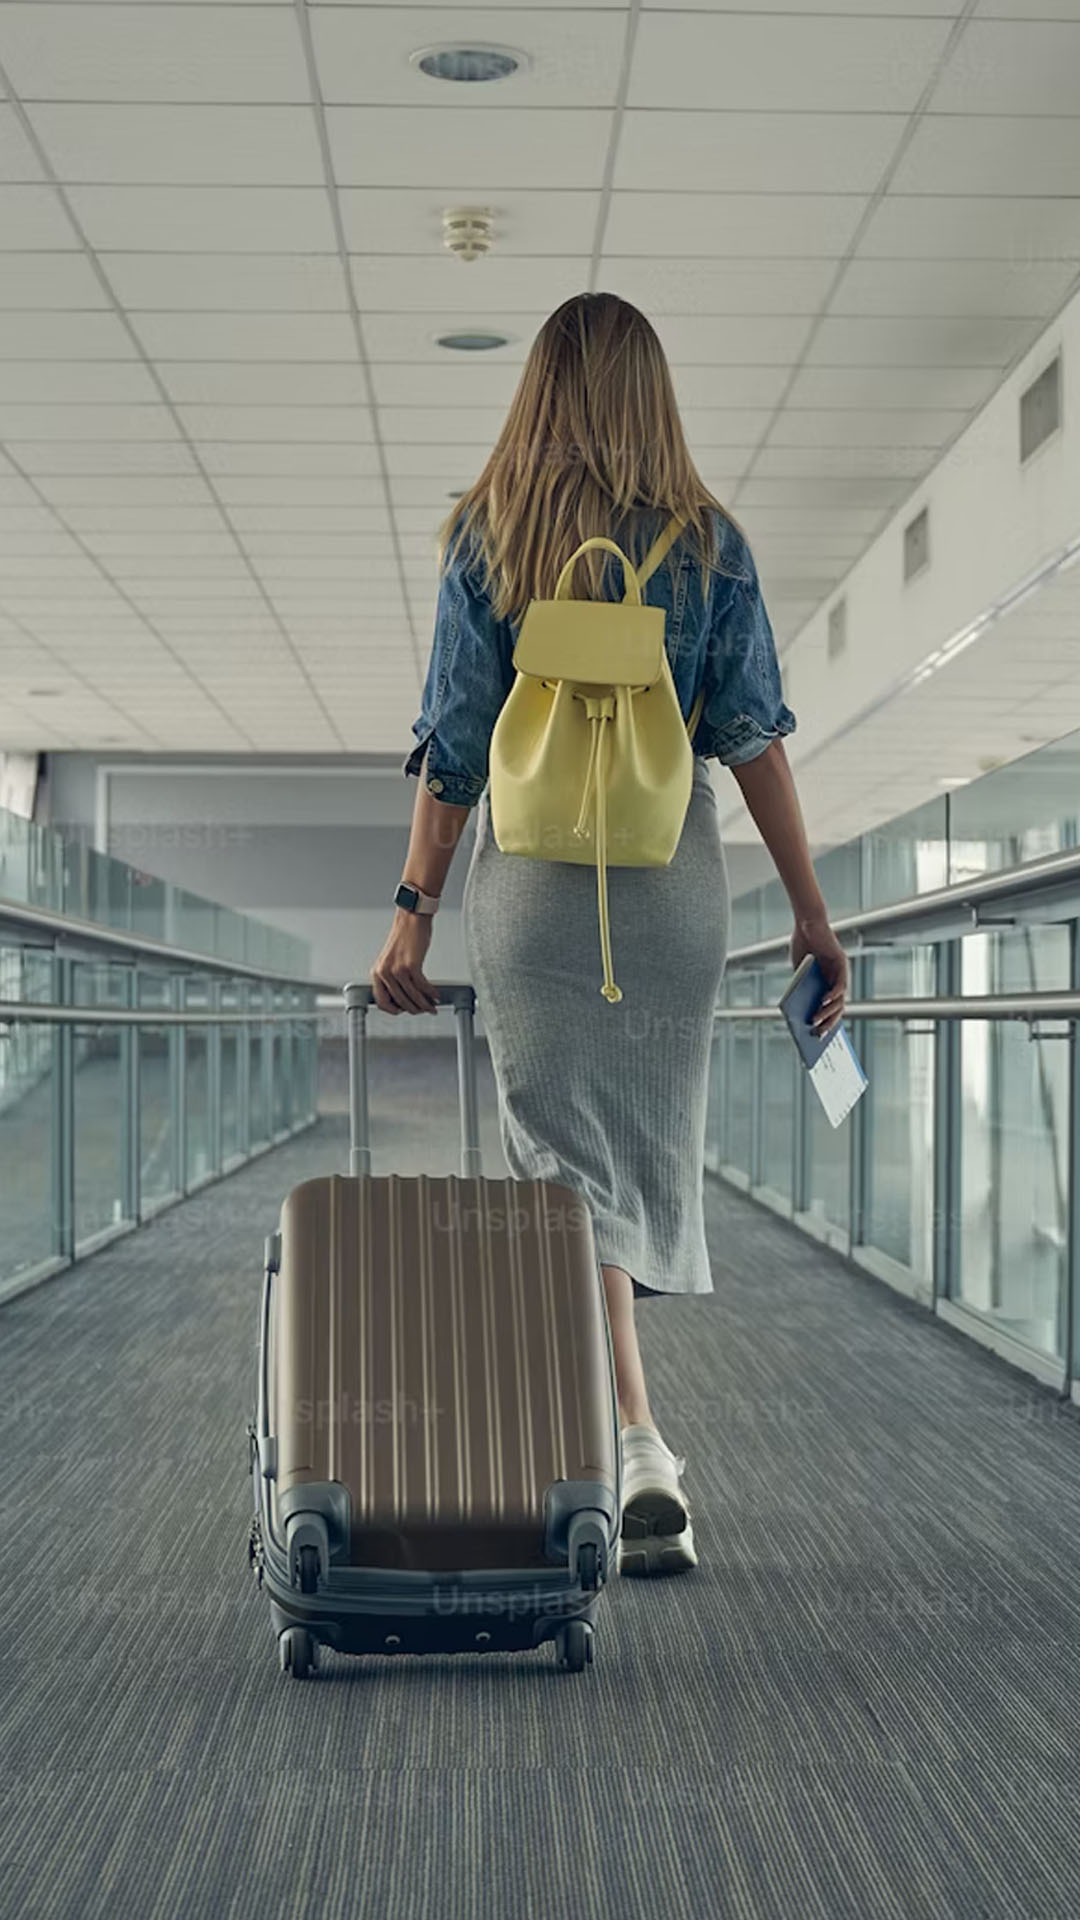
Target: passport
832, 1064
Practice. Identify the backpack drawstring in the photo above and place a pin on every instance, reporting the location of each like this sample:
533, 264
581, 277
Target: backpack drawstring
599, 709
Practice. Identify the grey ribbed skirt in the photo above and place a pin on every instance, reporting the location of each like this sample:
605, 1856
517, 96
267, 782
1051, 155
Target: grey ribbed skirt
609, 1100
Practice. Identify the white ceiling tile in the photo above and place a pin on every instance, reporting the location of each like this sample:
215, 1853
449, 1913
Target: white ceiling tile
454, 381
1030, 9
363, 56
458, 463
42, 458
244, 336
259, 457
116, 53
182, 146
283, 423
866, 427
310, 523
513, 283
54, 382
376, 146
17, 158
991, 154
98, 524
75, 420
404, 220
807, 6
133, 570
844, 387
118, 490
1012, 66
974, 340
1000, 288
818, 490
705, 287
265, 383
218, 282
771, 339
33, 217
779, 462
201, 219
713, 427
710, 386
781, 63
729, 226
364, 497
124, 547
60, 280
63, 336
762, 152
823, 517
1017, 229
443, 441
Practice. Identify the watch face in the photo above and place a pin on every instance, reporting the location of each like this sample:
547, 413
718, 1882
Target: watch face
406, 896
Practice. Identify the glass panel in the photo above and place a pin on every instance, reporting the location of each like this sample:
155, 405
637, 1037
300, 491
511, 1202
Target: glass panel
904, 857
1029, 808
157, 1053
26, 1096
1014, 1159
232, 996
197, 1084
779, 1086
899, 1102
282, 1095
259, 1105
100, 1103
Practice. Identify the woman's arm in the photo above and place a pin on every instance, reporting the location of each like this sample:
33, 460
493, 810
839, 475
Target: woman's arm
769, 792
397, 977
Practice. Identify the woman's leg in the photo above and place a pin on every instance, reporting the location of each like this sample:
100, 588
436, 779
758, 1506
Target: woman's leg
629, 1372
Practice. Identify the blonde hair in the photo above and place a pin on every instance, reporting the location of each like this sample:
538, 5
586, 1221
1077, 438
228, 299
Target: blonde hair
592, 444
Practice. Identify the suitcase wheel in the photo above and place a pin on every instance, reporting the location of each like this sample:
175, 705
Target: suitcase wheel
297, 1652
574, 1646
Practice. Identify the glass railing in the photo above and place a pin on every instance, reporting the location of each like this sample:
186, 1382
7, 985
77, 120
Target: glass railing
1012, 815
136, 1083
956, 1175
40, 868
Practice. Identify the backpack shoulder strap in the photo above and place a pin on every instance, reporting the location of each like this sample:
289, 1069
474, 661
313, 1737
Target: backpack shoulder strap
660, 547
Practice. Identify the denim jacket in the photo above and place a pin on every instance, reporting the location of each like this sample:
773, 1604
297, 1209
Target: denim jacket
716, 631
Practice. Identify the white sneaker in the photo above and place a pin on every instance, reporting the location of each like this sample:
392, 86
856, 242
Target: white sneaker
657, 1536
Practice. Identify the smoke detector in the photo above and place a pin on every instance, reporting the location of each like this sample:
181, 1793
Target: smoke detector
467, 231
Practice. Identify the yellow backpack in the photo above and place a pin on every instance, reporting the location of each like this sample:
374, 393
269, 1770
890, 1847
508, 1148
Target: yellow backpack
593, 717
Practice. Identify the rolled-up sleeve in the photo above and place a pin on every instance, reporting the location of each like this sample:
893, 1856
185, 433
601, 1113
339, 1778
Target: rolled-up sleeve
470, 672
744, 708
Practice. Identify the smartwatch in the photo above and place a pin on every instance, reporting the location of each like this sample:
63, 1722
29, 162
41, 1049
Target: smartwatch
415, 901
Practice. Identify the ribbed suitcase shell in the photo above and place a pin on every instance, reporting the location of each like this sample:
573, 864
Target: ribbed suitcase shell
441, 1353
436, 1429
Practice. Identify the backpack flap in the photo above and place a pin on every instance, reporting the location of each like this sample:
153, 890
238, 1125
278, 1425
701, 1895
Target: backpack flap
598, 642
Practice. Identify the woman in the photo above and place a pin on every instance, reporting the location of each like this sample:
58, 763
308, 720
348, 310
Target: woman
608, 1100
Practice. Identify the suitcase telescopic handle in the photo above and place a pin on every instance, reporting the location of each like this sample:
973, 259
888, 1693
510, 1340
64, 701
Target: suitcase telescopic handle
359, 997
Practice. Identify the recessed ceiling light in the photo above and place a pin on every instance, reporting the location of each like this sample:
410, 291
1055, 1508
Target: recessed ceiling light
476, 60
471, 342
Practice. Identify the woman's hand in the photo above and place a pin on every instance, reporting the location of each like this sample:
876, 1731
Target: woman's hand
397, 977
817, 937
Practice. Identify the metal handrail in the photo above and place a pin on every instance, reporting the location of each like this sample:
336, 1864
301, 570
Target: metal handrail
117, 940
28, 1011
941, 914
975, 1006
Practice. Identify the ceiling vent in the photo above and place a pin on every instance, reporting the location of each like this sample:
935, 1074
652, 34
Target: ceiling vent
471, 64
837, 629
917, 544
1040, 409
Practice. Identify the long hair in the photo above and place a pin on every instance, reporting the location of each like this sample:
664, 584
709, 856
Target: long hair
592, 444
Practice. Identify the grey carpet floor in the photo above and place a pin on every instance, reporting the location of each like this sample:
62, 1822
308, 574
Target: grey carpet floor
864, 1702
